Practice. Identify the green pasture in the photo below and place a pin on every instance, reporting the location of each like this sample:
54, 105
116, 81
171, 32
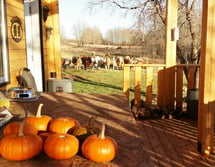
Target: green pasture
105, 82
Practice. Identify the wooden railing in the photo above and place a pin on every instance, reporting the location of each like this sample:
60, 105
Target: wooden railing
171, 83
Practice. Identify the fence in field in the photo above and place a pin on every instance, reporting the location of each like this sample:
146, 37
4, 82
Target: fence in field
171, 83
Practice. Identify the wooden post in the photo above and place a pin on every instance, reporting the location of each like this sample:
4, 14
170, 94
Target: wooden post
171, 32
126, 82
149, 79
191, 76
206, 106
179, 89
170, 51
137, 86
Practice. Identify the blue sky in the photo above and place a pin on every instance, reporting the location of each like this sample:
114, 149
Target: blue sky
75, 12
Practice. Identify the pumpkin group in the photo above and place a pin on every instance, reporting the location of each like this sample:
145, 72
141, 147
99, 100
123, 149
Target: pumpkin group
100, 148
20, 146
60, 138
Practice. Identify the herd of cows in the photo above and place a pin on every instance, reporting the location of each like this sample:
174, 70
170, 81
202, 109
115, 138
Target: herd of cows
98, 62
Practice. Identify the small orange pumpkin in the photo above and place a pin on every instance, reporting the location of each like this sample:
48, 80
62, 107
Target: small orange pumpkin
100, 148
84, 131
61, 146
13, 128
41, 122
20, 146
62, 124
90, 128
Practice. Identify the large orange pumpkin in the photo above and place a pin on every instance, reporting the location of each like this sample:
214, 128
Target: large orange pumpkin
41, 122
13, 128
100, 148
62, 124
20, 146
61, 146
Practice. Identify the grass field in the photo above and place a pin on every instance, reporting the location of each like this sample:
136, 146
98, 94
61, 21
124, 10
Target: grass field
102, 81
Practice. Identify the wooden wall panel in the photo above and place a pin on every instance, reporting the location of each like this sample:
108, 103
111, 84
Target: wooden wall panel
51, 46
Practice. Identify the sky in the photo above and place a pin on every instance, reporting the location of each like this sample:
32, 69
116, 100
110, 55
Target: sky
75, 12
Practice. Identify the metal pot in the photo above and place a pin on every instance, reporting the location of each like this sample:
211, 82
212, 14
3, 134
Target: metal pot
20, 93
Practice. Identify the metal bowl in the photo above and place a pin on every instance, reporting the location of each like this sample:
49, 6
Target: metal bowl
20, 93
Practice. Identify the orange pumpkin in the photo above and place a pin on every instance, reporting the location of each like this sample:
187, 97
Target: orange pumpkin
62, 124
84, 131
61, 146
13, 128
100, 148
21, 146
41, 122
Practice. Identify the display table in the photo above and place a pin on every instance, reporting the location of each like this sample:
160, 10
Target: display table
113, 110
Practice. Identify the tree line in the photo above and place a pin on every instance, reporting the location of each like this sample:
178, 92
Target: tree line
84, 34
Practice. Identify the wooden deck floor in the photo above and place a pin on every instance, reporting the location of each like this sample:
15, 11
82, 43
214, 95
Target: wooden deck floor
145, 143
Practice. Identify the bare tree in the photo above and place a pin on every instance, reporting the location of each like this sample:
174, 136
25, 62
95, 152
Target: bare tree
92, 36
152, 14
124, 36
78, 30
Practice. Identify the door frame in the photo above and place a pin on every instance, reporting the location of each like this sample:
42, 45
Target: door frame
33, 41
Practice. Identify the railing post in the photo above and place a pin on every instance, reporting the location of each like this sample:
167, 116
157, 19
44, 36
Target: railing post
137, 86
149, 80
126, 82
191, 76
179, 88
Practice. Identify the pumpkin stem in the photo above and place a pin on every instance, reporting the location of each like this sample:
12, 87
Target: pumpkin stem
102, 133
39, 110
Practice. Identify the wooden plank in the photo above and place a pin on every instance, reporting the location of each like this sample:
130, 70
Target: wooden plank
149, 81
191, 76
137, 86
179, 88
161, 89
144, 65
169, 88
126, 82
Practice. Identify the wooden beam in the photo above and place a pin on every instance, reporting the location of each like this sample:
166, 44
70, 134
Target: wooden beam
170, 53
207, 80
171, 32
149, 82
137, 86
179, 89
126, 82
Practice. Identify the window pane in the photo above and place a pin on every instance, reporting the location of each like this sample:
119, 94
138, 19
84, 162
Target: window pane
4, 66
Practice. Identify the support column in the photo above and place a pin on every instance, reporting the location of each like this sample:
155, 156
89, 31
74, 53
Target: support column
168, 75
206, 107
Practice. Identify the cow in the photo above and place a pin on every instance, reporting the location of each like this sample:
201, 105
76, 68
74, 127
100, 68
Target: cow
97, 62
87, 62
119, 62
127, 60
76, 61
107, 61
66, 62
